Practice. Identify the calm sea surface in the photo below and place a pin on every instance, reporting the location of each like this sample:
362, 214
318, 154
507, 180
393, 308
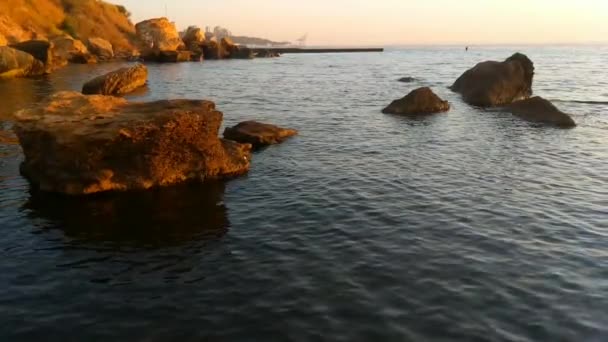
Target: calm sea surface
469, 225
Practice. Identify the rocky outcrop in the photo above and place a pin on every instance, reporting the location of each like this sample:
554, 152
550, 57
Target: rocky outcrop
193, 38
174, 56
212, 49
119, 82
258, 134
77, 144
42, 50
101, 48
72, 50
419, 101
494, 83
16, 63
537, 109
232, 50
157, 35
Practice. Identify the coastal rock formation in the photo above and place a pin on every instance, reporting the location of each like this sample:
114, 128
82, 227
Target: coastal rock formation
258, 134
537, 109
119, 82
213, 50
494, 83
174, 56
232, 50
193, 38
42, 50
419, 101
72, 50
16, 63
101, 48
77, 144
157, 35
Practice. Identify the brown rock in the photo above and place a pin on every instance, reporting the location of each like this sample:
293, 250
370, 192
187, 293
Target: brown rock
158, 34
258, 134
15, 63
40, 49
419, 101
193, 37
119, 82
537, 109
72, 50
212, 49
77, 144
232, 50
101, 48
497, 83
174, 56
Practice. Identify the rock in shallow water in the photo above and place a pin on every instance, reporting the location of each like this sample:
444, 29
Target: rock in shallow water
16, 63
119, 82
419, 101
258, 134
407, 79
77, 144
537, 109
494, 83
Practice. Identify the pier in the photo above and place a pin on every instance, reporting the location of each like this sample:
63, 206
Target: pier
318, 50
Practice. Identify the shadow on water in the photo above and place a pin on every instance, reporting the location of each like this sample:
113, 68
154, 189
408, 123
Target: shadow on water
150, 219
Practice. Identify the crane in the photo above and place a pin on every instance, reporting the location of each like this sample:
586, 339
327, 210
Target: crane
302, 40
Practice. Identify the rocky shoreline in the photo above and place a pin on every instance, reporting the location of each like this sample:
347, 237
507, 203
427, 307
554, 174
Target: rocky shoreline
157, 40
96, 141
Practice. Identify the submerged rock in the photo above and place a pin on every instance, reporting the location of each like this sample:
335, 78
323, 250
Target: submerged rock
16, 63
537, 109
77, 144
258, 134
407, 79
494, 83
118, 82
101, 48
419, 101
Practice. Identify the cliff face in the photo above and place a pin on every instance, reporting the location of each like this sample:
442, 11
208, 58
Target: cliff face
82, 19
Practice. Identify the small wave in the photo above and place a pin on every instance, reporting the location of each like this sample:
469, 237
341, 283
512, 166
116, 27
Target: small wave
584, 102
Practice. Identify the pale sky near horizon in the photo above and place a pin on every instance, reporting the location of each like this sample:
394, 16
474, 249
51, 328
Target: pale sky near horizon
388, 22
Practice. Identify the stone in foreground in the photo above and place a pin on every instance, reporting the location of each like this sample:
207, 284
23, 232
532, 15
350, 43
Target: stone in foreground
76, 144
16, 63
258, 134
494, 83
419, 101
537, 109
119, 82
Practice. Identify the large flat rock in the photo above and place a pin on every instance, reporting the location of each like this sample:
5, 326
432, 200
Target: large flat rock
77, 144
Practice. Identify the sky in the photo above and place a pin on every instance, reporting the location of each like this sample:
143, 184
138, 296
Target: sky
392, 22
